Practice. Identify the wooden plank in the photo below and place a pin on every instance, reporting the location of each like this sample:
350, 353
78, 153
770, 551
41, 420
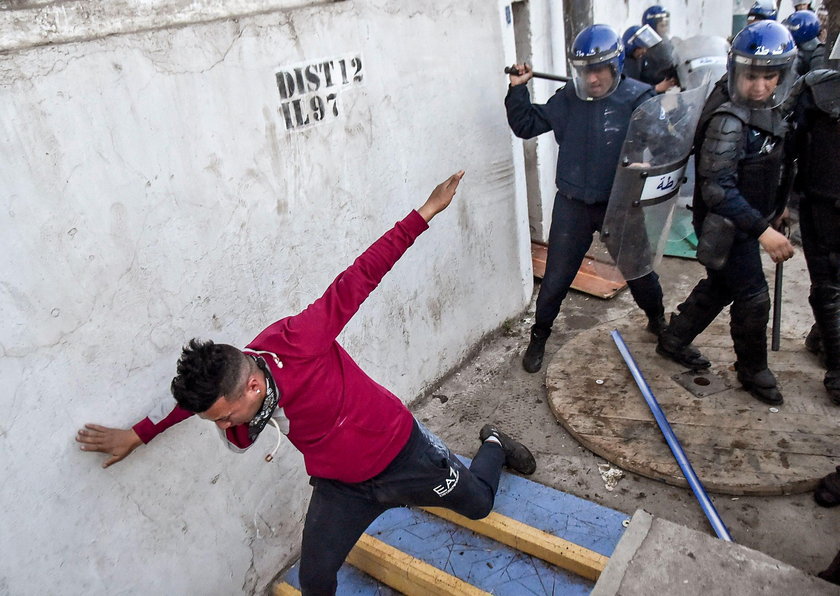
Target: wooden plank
530, 540
284, 589
594, 277
405, 573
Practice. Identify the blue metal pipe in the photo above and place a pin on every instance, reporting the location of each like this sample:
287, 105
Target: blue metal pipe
674, 443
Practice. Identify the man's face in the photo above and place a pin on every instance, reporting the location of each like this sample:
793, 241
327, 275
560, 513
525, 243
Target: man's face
598, 79
757, 86
663, 26
224, 413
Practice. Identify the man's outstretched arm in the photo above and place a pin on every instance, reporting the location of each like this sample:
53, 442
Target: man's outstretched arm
312, 331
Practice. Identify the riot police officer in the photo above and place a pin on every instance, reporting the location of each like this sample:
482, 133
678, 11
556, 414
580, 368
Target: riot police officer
816, 98
638, 40
736, 195
804, 27
762, 10
660, 67
589, 118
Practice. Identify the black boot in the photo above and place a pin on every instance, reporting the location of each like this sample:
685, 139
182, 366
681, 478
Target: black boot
832, 574
533, 358
825, 302
813, 342
748, 327
696, 313
656, 321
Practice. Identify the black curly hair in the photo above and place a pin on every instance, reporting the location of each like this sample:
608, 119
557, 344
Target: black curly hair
206, 372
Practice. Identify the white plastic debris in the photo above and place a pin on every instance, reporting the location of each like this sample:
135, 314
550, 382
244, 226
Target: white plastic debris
610, 475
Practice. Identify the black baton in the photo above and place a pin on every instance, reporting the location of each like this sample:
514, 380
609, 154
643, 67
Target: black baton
539, 75
777, 308
775, 333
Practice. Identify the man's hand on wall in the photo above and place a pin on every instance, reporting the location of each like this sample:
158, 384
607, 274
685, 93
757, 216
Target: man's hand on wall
441, 196
116, 442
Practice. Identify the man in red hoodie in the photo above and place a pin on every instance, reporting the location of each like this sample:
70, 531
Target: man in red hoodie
362, 447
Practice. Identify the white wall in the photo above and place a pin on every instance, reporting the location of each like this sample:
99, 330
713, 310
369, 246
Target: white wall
688, 17
150, 192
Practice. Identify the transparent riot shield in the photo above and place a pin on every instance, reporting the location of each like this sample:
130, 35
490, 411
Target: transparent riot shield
700, 60
648, 178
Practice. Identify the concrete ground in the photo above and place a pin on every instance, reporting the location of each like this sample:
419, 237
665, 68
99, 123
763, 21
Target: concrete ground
492, 386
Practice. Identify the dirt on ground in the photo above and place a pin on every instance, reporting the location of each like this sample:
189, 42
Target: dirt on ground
491, 386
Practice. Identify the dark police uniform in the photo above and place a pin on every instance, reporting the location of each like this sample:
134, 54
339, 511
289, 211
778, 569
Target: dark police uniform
589, 135
739, 165
817, 145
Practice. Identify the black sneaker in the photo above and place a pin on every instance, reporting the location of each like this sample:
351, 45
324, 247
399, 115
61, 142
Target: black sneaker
517, 455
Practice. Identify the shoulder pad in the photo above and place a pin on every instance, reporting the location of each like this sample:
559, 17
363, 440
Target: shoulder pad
769, 121
741, 113
719, 153
825, 87
724, 124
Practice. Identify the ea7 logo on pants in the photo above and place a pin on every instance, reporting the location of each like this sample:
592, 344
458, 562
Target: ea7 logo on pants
444, 489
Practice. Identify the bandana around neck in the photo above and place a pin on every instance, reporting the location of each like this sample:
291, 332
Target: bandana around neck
272, 396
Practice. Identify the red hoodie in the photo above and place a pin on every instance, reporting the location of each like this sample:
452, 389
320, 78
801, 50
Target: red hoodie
347, 426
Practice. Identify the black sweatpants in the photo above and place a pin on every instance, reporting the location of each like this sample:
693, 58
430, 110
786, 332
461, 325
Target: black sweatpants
424, 474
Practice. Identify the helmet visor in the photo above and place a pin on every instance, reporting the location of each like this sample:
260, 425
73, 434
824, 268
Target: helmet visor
758, 87
596, 79
645, 37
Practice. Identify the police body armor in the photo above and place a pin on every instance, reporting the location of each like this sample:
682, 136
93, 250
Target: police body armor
820, 162
821, 172
762, 172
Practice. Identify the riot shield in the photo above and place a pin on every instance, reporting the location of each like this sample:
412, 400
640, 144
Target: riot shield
648, 178
700, 59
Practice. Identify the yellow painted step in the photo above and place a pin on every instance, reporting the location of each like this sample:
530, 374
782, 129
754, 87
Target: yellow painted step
405, 573
557, 551
284, 589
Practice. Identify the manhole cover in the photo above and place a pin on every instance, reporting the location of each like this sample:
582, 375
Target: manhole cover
701, 383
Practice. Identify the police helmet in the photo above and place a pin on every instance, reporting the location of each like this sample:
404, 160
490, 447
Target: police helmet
760, 65
596, 49
803, 25
629, 40
762, 10
658, 18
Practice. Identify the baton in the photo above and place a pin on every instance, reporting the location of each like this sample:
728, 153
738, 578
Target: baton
539, 75
777, 308
776, 331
